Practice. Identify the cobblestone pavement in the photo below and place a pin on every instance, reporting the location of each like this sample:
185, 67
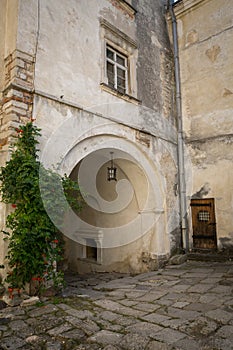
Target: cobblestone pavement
189, 306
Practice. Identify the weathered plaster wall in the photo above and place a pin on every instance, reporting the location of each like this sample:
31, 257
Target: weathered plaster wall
154, 58
17, 69
54, 72
28, 26
8, 35
74, 61
90, 133
9, 23
69, 72
2, 41
205, 30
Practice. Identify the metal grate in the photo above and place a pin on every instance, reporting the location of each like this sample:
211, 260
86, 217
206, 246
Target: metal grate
203, 216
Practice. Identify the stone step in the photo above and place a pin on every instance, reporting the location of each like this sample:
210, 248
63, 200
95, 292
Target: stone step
209, 256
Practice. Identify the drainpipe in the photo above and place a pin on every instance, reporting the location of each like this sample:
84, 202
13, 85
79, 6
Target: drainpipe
180, 138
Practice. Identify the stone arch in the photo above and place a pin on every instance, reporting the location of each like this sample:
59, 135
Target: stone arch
149, 223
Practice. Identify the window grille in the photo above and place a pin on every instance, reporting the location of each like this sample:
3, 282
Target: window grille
203, 215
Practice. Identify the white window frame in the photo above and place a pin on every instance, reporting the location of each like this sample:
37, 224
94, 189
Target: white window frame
117, 65
127, 47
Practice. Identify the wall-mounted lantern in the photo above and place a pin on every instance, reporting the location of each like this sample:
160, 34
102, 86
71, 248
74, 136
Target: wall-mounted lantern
112, 170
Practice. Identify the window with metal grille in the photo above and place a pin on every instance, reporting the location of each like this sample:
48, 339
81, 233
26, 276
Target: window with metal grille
117, 70
203, 215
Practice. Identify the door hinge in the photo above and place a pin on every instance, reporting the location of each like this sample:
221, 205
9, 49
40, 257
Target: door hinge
200, 205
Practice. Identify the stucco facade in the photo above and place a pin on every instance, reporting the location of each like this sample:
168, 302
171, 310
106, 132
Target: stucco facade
205, 30
55, 59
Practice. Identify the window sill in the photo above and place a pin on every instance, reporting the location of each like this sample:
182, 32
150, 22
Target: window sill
115, 92
90, 261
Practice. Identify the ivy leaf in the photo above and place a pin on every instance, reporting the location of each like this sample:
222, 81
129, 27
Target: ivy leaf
32, 231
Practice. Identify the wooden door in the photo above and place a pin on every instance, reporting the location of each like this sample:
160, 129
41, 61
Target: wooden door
204, 224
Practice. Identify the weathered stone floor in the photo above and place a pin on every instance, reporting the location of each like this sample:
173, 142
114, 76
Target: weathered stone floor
179, 307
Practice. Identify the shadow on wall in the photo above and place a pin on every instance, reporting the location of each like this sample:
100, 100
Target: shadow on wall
226, 244
202, 192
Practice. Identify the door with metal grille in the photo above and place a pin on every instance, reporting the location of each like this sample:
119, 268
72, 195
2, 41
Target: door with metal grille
204, 224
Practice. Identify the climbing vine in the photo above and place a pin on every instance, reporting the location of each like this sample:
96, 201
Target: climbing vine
35, 243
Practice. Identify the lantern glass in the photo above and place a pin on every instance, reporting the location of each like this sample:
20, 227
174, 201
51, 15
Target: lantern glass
112, 173
112, 170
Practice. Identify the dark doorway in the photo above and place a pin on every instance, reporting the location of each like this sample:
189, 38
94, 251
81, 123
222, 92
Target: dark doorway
204, 224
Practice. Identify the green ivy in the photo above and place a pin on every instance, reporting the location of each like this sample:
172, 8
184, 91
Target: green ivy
35, 243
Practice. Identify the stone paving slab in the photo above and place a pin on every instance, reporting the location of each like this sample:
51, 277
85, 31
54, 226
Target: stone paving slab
220, 316
199, 307
105, 337
188, 344
146, 307
186, 307
169, 336
151, 296
12, 343
144, 329
200, 326
156, 318
134, 342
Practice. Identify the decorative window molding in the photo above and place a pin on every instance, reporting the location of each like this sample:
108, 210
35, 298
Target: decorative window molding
125, 6
118, 51
91, 241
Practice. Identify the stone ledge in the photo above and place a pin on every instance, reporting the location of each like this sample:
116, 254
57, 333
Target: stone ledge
208, 256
